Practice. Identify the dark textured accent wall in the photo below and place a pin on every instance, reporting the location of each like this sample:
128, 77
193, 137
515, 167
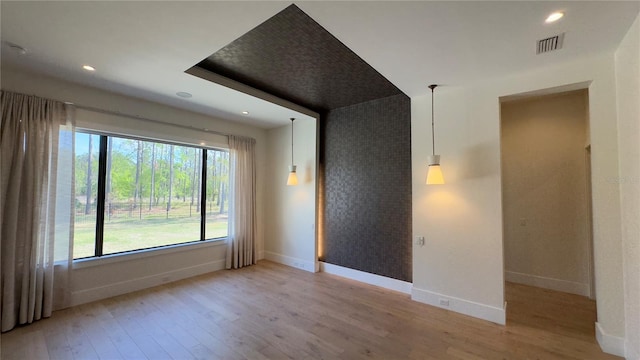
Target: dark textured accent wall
366, 161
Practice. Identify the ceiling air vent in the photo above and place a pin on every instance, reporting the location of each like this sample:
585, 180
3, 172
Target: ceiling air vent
550, 44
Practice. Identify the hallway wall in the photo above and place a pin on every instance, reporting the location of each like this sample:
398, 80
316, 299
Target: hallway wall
544, 191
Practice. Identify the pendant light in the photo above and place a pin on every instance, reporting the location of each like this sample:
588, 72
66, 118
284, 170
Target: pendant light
293, 178
434, 173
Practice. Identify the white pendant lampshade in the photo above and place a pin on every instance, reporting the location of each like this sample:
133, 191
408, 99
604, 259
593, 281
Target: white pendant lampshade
434, 172
292, 180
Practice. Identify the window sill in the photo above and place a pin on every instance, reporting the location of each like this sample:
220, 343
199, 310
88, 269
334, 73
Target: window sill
145, 253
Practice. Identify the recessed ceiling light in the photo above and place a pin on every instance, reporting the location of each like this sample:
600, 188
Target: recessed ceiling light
183, 94
88, 68
245, 113
554, 17
201, 143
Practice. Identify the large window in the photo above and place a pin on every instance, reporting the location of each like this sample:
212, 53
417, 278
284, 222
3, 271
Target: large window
134, 194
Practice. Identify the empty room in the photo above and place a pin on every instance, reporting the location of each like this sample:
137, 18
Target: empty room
320, 180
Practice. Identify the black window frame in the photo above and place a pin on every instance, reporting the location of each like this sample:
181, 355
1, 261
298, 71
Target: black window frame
101, 192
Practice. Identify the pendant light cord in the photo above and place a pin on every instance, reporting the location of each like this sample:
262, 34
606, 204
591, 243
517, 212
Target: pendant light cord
292, 141
433, 133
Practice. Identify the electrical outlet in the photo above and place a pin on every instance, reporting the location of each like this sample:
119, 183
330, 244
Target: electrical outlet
420, 240
444, 302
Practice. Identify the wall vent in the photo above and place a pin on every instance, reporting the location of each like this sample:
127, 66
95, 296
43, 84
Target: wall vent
550, 44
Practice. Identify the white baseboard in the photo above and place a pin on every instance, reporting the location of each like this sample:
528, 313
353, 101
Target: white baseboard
368, 278
630, 353
260, 254
571, 287
291, 261
608, 343
124, 287
466, 307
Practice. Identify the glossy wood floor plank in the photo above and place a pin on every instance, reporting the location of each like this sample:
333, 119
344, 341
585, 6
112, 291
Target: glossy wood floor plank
270, 311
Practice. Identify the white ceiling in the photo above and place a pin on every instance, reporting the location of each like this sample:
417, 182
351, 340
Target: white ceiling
141, 49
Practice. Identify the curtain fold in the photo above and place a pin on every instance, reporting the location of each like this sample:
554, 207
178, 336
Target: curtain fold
241, 246
36, 193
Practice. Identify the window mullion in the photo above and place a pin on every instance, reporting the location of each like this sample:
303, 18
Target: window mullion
203, 195
102, 183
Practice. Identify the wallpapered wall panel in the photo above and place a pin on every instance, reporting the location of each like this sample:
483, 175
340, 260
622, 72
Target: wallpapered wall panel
367, 185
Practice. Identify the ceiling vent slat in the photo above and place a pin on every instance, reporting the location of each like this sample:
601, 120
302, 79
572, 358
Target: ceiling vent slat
550, 44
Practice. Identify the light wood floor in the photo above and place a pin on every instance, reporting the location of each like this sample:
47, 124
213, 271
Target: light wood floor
270, 311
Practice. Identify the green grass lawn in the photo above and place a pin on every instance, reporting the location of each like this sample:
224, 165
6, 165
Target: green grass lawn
127, 234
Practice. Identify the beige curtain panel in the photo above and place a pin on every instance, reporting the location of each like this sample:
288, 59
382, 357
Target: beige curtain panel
241, 246
36, 187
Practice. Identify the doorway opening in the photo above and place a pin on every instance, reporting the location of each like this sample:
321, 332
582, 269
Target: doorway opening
547, 218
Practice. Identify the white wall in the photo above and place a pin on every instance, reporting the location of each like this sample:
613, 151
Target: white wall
290, 224
627, 60
544, 191
115, 275
99, 278
462, 220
